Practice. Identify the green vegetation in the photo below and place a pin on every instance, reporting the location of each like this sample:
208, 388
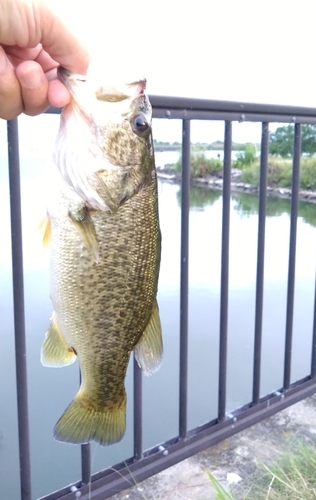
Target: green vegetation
247, 156
200, 165
280, 173
248, 161
281, 141
291, 477
219, 492
279, 169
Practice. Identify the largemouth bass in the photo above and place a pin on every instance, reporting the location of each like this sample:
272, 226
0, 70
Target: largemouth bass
105, 252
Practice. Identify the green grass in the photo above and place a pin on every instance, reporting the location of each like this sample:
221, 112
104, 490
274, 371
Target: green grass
291, 477
308, 173
280, 173
219, 492
200, 165
279, 170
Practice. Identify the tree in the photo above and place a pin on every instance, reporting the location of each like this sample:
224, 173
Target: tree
281, 141
309, 139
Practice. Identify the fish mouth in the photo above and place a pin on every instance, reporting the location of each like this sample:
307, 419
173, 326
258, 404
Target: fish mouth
118, 91
121, 92
65, 76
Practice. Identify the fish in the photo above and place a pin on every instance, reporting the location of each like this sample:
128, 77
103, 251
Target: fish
103, 228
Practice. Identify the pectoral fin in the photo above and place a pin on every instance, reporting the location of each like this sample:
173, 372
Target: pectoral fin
45, 228
55, 352
85, 227
148, 351
106, 194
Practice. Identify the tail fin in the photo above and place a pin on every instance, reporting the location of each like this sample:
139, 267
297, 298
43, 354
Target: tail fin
81, 422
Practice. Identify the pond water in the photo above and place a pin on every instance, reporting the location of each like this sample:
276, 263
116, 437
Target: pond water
55, 464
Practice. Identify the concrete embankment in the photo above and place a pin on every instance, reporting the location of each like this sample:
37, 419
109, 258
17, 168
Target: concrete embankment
234, 460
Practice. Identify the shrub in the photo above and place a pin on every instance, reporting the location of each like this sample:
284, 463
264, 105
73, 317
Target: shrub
308, 173
247, 156
251, 174
200, 165
279, 173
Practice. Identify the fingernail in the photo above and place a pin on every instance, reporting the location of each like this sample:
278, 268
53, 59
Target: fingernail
32, 78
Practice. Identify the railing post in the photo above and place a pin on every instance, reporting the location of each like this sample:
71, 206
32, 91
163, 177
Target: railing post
184, 279
18, 301
260, 261
292, 255
138, 411
224, 273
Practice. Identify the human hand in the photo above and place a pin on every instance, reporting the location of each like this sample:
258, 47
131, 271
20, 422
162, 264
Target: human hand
33, 42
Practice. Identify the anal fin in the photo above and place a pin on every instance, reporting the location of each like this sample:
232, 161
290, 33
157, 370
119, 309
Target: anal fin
148, 351
55, 352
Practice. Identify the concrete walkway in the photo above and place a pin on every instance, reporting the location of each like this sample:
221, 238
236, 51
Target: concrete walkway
234, 459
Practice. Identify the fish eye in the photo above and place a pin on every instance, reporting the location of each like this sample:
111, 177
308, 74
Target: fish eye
140, 124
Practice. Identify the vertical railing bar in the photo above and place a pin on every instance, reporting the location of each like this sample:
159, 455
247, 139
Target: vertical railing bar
292, 255
85, 463
313, 360
18, 301
184, 278
260, 261
224, 272
138, 431
85, 457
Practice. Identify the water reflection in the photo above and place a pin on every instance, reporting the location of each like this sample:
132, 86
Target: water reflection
51, 390
247, 204
200, 197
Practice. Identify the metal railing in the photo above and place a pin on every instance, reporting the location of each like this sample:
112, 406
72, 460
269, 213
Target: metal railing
145, 463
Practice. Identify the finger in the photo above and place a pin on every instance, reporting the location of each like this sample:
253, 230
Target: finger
17, 55
34, 87
11, 104
58, 95
61, 43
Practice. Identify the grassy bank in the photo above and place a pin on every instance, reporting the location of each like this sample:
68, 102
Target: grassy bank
201, 166
291, 477
279, 170
280, 173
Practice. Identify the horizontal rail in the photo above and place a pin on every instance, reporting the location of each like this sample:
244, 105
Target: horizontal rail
161, 457
185, 103
183, 108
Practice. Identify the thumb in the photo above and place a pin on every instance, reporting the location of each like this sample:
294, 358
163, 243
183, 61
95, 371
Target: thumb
61, 43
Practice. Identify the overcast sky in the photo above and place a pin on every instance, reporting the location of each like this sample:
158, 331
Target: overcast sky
245, 50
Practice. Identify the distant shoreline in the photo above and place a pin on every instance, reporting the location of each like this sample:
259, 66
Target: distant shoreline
216, 183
